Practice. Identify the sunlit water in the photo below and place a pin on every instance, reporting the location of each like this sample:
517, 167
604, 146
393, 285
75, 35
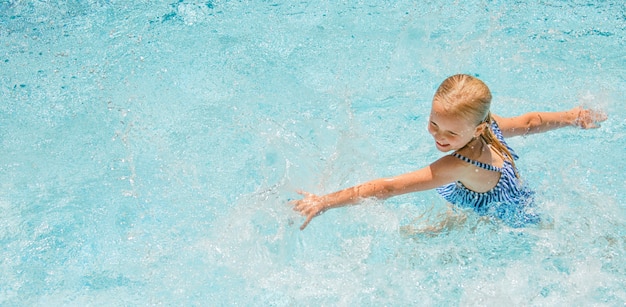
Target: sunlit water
149, 150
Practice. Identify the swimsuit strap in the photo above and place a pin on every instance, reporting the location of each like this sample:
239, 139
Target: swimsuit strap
486, 166
498, 133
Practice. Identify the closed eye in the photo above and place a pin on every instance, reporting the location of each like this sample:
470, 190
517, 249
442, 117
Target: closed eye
448, 132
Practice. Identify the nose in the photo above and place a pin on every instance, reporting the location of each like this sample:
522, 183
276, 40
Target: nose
433, 132
437, 136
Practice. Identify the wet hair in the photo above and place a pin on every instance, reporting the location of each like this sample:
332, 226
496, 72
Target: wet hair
467, 96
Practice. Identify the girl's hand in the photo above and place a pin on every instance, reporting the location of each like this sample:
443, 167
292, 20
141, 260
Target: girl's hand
310, 206
587, 118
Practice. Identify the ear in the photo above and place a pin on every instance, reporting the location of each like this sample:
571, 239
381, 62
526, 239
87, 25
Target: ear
480, 129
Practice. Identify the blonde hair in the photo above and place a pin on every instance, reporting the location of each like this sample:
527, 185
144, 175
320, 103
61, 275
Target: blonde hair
469, 97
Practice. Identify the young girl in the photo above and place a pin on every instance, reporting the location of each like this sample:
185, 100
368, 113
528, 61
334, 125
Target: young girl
480, 173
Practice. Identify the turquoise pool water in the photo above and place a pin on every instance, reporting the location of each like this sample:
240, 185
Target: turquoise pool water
149, 148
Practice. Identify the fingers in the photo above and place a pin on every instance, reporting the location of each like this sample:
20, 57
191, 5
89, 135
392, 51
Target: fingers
309, 206
295, 202
590, 119
304, 193
591, 125
305, 207
308, 219
599, 116
301, 204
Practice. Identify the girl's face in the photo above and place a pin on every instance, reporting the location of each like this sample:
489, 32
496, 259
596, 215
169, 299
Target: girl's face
451, 132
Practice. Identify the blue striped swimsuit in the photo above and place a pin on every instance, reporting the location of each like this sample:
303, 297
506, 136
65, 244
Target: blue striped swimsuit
510, 200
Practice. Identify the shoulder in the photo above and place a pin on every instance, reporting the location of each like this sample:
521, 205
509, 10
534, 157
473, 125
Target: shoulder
499, 120
450, 168
510, 126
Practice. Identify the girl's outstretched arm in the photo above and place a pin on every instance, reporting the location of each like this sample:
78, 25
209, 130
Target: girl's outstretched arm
537, 122
445, 170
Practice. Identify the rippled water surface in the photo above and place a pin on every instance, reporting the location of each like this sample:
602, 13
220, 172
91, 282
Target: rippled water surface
149, 150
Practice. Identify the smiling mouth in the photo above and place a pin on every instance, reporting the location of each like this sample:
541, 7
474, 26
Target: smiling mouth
442, 145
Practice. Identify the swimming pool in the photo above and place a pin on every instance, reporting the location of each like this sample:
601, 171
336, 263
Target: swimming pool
148, 150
